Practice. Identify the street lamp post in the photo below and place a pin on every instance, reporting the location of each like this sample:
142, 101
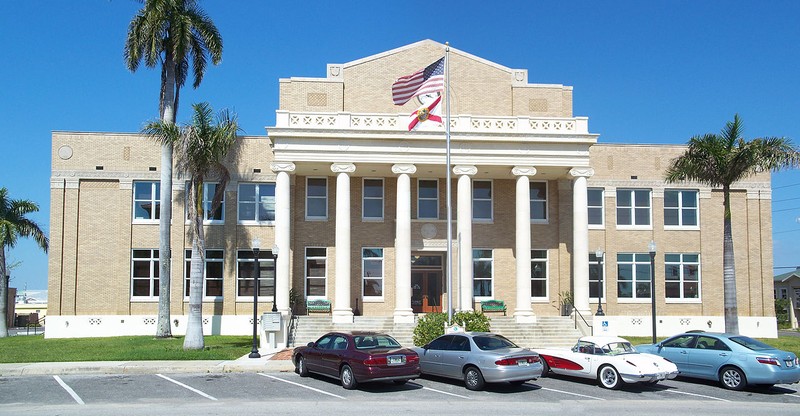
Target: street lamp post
652, 248
599, 254
275, 278
256, 274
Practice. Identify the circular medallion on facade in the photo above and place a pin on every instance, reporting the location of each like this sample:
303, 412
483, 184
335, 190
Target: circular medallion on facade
428, 231
65, 152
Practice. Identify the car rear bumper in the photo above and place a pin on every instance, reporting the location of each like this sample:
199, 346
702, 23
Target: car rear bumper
500, 374
387, 373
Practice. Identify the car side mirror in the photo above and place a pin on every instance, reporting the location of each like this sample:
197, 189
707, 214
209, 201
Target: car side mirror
426, 346
310, 344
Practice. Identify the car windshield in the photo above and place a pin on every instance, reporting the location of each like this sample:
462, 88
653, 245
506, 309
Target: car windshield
752, 344
492, 342
618, 348
368, 342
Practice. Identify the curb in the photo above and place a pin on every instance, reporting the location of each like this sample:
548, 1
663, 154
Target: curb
146, 367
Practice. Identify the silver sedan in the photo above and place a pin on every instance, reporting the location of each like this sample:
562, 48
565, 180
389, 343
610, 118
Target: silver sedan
478, 358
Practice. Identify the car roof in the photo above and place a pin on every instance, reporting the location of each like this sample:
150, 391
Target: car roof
352, 333
602, 340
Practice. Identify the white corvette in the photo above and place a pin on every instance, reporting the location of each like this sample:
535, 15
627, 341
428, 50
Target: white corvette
610, 360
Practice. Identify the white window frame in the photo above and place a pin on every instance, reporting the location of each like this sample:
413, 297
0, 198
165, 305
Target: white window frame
490, 200
420, 198
152, 260
680, 208
364, 277
602, 207
633, 207
207, 199
490, 260
601, 268
325, 198
635, 263
306, 258
265, 263
365, 198
681, 263
545, 262
546, 204
155, 200
187, 274
258, 201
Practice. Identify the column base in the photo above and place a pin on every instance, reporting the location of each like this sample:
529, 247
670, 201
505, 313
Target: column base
403, 316
524, 317
342, 316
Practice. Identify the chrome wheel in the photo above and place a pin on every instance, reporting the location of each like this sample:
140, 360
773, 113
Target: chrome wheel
302, 370
609, 377
348, 379
473, 379
732, 378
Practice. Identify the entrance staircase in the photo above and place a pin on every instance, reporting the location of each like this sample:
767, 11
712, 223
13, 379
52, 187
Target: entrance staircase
548, 331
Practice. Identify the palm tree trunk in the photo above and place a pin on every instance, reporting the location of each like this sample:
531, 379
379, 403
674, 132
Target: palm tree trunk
3, 294
194, 327
729, 269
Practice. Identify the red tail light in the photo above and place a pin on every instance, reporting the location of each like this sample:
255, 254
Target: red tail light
516, 360
412, 359
769, 361
373, 361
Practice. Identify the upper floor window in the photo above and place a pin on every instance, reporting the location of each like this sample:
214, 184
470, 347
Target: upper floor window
256, 202
595, 203
372, 272
538, 201
246, 270
633, 276
633, 207
317, 198
539, 273
209, 189
482, 273
212, 274
373, 199
682, 276
144, 274
482, 200
428, 199
146, 202
680, 208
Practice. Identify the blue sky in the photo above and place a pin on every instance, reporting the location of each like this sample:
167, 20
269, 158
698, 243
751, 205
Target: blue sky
643, 72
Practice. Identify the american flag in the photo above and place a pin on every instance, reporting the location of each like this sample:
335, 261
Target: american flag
424, 81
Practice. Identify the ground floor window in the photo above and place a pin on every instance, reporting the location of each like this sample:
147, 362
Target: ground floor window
633, 276
246, 271
372, 272
316, 270
144, 274
482, 273
212, 274
682, 276
539, 273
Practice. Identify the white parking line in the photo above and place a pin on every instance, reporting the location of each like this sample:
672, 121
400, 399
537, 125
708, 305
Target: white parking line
300, 385
574, 394
696, 395
439, 391
187, 387
69, 390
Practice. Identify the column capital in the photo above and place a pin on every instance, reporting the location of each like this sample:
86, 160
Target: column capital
343, 168
523, 171
282, 166
465, 170
581, 172
401, 168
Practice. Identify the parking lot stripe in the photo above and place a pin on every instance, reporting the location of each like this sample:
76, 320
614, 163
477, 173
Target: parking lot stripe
697, 395
187, 387
69, 390
439, 391
300, 385
574, 394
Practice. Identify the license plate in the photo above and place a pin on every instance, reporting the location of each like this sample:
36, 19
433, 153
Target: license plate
396, 360
523, 362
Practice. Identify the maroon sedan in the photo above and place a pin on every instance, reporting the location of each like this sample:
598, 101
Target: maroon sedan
357, 357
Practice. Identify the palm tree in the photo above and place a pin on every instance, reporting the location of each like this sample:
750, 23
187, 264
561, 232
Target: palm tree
14, 224
200, 147
173, 33
719, 160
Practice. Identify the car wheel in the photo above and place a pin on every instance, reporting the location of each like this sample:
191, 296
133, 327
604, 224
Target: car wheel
302, 370
732, 378
348, 379
400, 382
609, 378
545, 368
473, 379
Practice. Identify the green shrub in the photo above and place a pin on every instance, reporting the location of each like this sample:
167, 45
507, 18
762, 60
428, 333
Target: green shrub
782, 313
431, 325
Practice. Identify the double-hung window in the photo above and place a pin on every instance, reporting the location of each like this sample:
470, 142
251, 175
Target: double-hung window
595, 207
538, 192
633, 276
633, 207
372, 206
246, 270
539, 274
144, 274
212, 274
316, 262
209, 217
680, 208
482, 200
682, 276
317, 198
372, 272
482, 273
146, 202
428, 199
256, 202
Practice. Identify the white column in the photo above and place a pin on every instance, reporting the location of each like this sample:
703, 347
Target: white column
523, 312
402, 245
580, 239
342, 311
283, 225
464, 234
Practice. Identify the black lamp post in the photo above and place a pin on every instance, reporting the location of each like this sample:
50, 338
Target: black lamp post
652, 248
256, 274
599, 254
275, 278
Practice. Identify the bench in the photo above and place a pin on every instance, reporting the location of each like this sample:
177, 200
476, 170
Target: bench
493, 305
318, 305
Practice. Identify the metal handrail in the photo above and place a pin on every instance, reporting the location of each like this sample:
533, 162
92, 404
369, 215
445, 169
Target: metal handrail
576, 314
35, 326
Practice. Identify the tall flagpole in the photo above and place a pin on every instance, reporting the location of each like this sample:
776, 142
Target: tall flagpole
449, 197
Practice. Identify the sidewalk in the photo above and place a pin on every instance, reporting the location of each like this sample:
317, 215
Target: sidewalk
268, 363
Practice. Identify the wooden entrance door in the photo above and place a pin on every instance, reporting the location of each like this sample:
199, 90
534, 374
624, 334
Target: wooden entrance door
426, 291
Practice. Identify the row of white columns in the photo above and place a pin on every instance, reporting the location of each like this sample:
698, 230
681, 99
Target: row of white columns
342, 308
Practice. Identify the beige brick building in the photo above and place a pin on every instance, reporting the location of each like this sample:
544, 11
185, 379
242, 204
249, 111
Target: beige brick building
357, 206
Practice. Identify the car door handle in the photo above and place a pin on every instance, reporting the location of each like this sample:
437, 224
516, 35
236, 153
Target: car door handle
684, 352
460, 357
722, 354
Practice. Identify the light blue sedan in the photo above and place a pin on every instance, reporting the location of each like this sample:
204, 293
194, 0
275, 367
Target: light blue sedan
733, 360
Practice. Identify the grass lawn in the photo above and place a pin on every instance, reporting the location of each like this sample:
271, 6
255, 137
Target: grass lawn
785, 343
35, 348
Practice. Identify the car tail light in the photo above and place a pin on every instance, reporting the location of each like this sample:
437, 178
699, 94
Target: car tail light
516, 360
769, 361
373, 361
412, 358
